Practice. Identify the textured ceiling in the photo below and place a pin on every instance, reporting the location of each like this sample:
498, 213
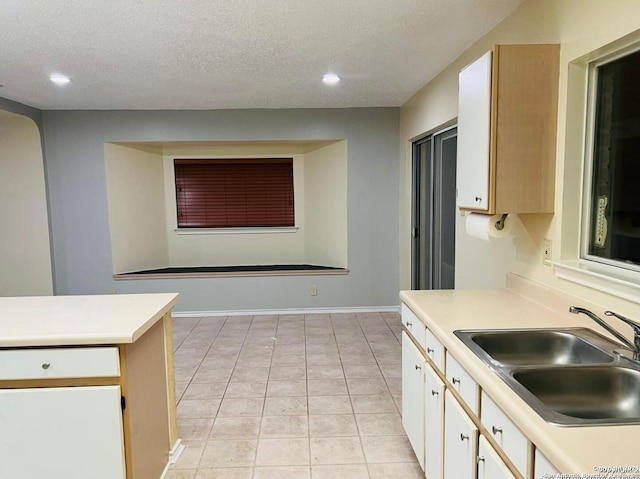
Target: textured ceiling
213, 54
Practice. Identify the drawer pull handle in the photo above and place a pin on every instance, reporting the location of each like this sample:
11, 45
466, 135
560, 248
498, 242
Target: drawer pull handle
478, 198
46, 365
434, 392
480, 459
496, 430
408, 324
418, 367
430, 350
464, 437
456, 380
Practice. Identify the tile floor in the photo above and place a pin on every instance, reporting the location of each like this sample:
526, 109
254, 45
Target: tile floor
291, 397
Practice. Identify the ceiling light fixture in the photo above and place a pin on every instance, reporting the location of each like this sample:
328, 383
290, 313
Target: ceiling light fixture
330, 78
59, 79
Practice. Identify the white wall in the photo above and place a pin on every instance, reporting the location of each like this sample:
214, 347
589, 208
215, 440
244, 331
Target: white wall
326, 205
25, 256
135, 196
580, 26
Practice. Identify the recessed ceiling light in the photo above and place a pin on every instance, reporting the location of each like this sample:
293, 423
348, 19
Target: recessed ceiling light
59, 79
330, 78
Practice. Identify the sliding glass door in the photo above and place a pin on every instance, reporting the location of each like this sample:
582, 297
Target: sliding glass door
433, 211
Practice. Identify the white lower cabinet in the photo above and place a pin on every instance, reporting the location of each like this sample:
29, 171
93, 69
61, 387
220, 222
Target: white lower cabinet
413, 367
506, 434
434, 424
64, 432
460, 441
490, 466
542, 467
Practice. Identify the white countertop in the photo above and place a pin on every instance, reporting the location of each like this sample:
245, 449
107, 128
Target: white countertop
575, 450
75, 320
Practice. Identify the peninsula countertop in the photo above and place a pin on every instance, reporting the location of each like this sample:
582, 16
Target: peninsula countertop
80, 320
578, 450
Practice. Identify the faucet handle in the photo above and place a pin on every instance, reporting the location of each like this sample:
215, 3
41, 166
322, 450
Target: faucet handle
633, 324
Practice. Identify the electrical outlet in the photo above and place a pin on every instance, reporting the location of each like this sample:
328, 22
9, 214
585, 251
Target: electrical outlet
313, 290
546, 251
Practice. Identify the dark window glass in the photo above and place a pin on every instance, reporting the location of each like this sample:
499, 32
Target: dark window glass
615, 190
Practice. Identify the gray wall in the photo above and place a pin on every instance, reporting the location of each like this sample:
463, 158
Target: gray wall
74, 144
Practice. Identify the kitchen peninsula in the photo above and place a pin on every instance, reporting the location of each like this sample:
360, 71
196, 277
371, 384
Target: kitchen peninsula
87, 386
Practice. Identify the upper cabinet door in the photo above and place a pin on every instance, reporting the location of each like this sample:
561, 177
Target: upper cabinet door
474, 132
507, 115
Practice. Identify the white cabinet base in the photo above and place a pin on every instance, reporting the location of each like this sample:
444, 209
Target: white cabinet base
70, 433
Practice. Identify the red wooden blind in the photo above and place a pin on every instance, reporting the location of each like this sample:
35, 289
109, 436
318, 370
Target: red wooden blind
227, 193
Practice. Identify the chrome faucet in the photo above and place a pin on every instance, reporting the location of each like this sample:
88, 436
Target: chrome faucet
634, 347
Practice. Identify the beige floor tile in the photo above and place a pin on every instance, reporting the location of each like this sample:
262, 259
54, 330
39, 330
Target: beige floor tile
324, 372
194, 428
180, 474
198, 407
296, 387
332, 425
181, 387
225, 473
391, 370
212, 375
283, 472
383, 449
246, 390
390, 357
285, 406
283, 452
284, 426
329, 405
320, 359
347, 471
387, 424
327, 387
235, 427
253, 362
367, 386
205, 390
288, 359
362, 371
287, 373
336, 450
241, 407
229, 453
250, 374
357, 359
373, 403
190, 457
395, 471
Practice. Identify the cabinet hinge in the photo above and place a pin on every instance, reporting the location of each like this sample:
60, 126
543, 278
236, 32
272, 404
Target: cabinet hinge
123, 402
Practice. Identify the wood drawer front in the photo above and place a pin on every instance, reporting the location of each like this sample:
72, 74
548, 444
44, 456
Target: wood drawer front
462, 382
59, 363
505, 433
413, 325
435, 350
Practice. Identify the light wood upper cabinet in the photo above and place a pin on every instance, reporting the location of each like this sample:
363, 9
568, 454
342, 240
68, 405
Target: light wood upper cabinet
507, 116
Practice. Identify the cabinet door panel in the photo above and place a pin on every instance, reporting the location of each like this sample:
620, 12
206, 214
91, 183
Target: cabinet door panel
490, 466
413, 365
73, 432
474, 126
460, 441
542, 467
434, 424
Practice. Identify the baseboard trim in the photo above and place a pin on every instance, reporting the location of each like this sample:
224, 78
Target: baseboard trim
262, 312
174, 455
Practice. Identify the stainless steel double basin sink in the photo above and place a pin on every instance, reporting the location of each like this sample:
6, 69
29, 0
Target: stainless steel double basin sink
569, 376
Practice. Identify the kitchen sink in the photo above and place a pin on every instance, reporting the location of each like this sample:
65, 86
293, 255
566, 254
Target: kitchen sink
539, 346
569, 376
584, 394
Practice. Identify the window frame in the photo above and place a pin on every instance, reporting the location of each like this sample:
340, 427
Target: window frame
236, 228
588, 163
